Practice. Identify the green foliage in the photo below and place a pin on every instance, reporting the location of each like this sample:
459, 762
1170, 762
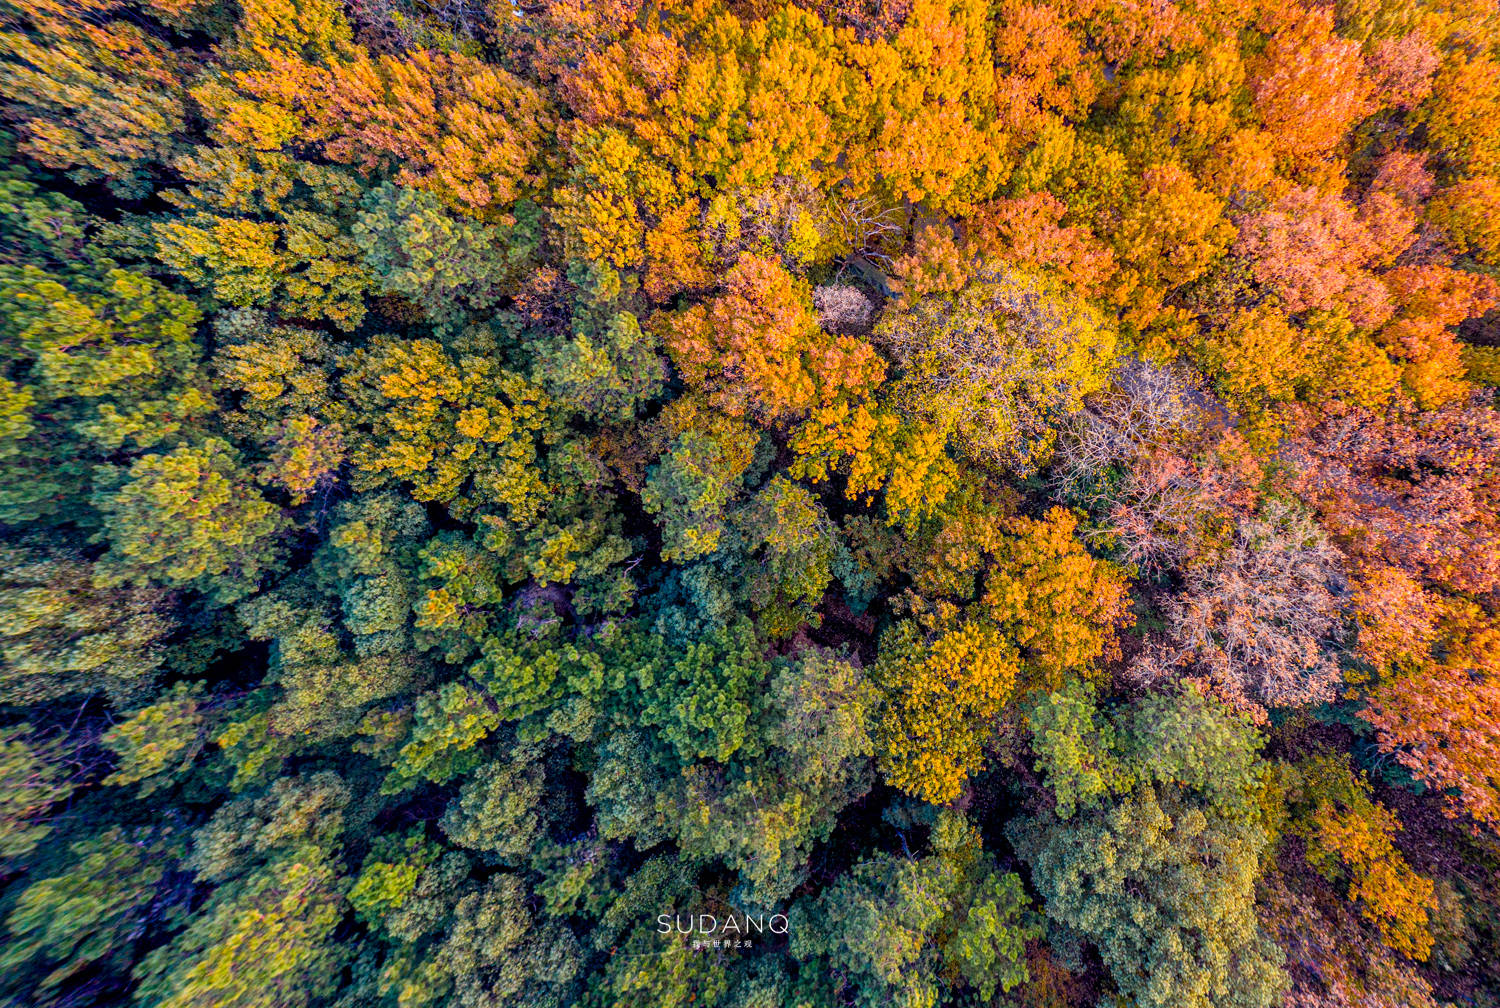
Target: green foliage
1076, 750
764, 816
86, 917
449, 723
690, 487
1161, 878
497, 953
62, 636
105, 366
188, 518
436, 258
496, 809
604, 365
390, 875
291, 813
41, 226
701, 700
157, 744
894, 926
31, 780
793, 549
263, 942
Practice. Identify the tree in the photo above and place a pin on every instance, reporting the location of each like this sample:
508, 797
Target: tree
757, 349
1467, 212
943, 693
462, 129
1027, 233
1412, 490
496, 809
764, 815
497, 953
696, 478
1402, 68
278, 373
95, 96
1167, 237
892, 926
1309, 86
449, 723
33, 780
1433, 300
459, 427
157, 744
701, 700
1312, 249
992, 368
1348, 837
246, 833
1412, 509
1077, 749
1058, 604
1162, 877
1331, 954
476, 478
87, 916
604, 365
1257, 622
1141, 458
435, 257
794, 549
264, 941
1030, 578
1440, 725
1459, 112
63, 636
108, 369
261, 229
188, 518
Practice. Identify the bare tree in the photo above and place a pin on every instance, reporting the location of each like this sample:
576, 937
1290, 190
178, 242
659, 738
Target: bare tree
1257, 622
1144, 411
871, 233
1124, 457
844, 309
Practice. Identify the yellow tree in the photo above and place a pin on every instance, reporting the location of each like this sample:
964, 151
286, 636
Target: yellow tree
943, 693
96, 97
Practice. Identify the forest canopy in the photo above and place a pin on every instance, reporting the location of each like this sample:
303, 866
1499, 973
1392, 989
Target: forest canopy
749, 504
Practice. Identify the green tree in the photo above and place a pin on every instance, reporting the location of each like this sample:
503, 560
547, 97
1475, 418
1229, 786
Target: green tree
690, 487
262, 942
437, 258
61, 635
32, 780
604, 365
894, 928
94, 367
188, 518
994, 367
764, 814
1160, 878
496, 810
89, 915
157, 744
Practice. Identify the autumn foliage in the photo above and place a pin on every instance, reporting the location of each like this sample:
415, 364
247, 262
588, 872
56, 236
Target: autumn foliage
1009, 488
